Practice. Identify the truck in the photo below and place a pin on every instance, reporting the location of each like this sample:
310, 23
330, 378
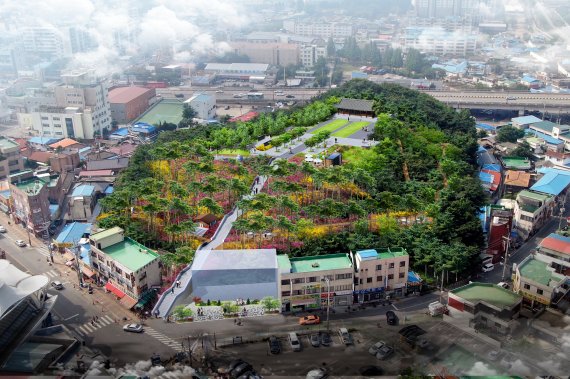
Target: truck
436, 308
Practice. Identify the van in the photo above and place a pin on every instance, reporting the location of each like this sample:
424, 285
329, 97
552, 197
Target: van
294, 341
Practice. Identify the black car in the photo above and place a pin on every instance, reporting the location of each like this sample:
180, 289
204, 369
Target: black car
240, 369
326, 339
233, 364
391, 318
274, 345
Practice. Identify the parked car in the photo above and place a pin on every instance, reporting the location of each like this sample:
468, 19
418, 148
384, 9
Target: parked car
488, 267
326, 339
2, 229
374, 348
20, 243
345, 336
505, 285
384, 352
391, 318
309, 320
274, 345
57, 285
233, 364
219, 91
290, 97
318, 373
294, 342
133, 328
240, 369
315, 340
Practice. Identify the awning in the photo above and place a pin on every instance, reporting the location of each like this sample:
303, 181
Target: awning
128, 302
115, 290
145, 298
87, 272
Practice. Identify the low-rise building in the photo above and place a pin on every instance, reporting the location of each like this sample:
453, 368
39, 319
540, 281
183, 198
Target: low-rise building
128, 103
484, 307
30, 204
204, 106
524, 122
516, 181
380, 273
63, 122
536, 279
128, 268
309, 54
82, 202
311, 282
532, 210
10, 158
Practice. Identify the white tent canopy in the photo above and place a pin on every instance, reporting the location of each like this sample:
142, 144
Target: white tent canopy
16, 285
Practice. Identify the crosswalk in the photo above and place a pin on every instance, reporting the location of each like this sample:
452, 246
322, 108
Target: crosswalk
52, 274
89, 328
177, 346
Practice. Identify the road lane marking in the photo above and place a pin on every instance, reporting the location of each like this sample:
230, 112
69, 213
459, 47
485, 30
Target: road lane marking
70, 317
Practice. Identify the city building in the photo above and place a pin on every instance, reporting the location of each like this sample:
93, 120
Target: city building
129, 269
43, 41
59, 122
312, 282
323, 29
10, 157
438, 42
309, 54
516, 181
241, 71
227, 275
64, 161
538, 282
276, 54
380, 273
552, 181
524, 122
82, 202
555, 133
532, 210
500, 226
84, 90
484, 307
204, 106
439, 9
31, 205
128, 103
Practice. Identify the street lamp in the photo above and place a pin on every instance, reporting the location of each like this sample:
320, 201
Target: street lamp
327, 280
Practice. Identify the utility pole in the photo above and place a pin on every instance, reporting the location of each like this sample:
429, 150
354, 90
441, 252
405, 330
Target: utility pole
77, 249
327, 280
508, 240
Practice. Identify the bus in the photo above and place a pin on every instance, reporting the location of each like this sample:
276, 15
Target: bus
255, 95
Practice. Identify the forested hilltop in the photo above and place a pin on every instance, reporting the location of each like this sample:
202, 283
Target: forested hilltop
416, 189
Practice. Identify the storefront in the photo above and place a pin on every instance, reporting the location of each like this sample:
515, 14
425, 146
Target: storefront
369, 295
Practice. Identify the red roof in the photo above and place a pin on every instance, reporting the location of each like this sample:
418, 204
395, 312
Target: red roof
556, 244
124, 149
244, 118
66, 142
110, 287
40, 156
496, 178
123, 95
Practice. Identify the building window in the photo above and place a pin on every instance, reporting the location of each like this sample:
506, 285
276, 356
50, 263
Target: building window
379, 278
378, 267
297, 292
368, 280
391, 265
285, 282
285, 293
360, 281
526, 286
539, 291
403, 264
401, 275
343, 276
312, 279
390, 276
298, 280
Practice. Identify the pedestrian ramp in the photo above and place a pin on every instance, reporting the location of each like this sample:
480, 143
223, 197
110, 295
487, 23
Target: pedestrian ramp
176, 346
90, 327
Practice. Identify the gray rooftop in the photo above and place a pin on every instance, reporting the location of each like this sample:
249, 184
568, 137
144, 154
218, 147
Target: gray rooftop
356, 105
235, 259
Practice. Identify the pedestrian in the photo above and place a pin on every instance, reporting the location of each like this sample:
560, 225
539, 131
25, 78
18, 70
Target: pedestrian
96, 318
172, 291
178, 283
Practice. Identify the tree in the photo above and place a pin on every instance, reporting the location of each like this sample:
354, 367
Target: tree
188, 114
331, 48
270, 303
523, 150
181, 312
509, 134
415, 60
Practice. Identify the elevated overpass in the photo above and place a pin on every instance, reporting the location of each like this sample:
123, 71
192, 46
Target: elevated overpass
514, 101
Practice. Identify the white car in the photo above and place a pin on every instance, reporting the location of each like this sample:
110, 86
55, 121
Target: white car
133, 328
219, 91
20, 243
488, 267
2, 229
505, 285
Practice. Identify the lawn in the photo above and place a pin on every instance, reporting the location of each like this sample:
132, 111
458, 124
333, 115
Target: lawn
163, 111
331, 126
351, 129
243, 153
357, 155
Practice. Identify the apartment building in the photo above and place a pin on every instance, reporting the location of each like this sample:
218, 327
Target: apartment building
128, 268
544, 277
311, 282
45, 41
10, 158
485, 308
277, 54
31, 205
309, 54
84, 90
438, 42
380, 273
321, 29
60, 122
532, 210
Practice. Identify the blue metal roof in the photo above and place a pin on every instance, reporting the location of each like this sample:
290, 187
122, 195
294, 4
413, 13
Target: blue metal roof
492, 167
481, 149
529, 79
43, 140
485, 177
121, 132
53, 209
83, 190
548, 139
143, 127
73, 232
484, 126
552, 183
109, 190
367, 254
526, 120
413, 277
